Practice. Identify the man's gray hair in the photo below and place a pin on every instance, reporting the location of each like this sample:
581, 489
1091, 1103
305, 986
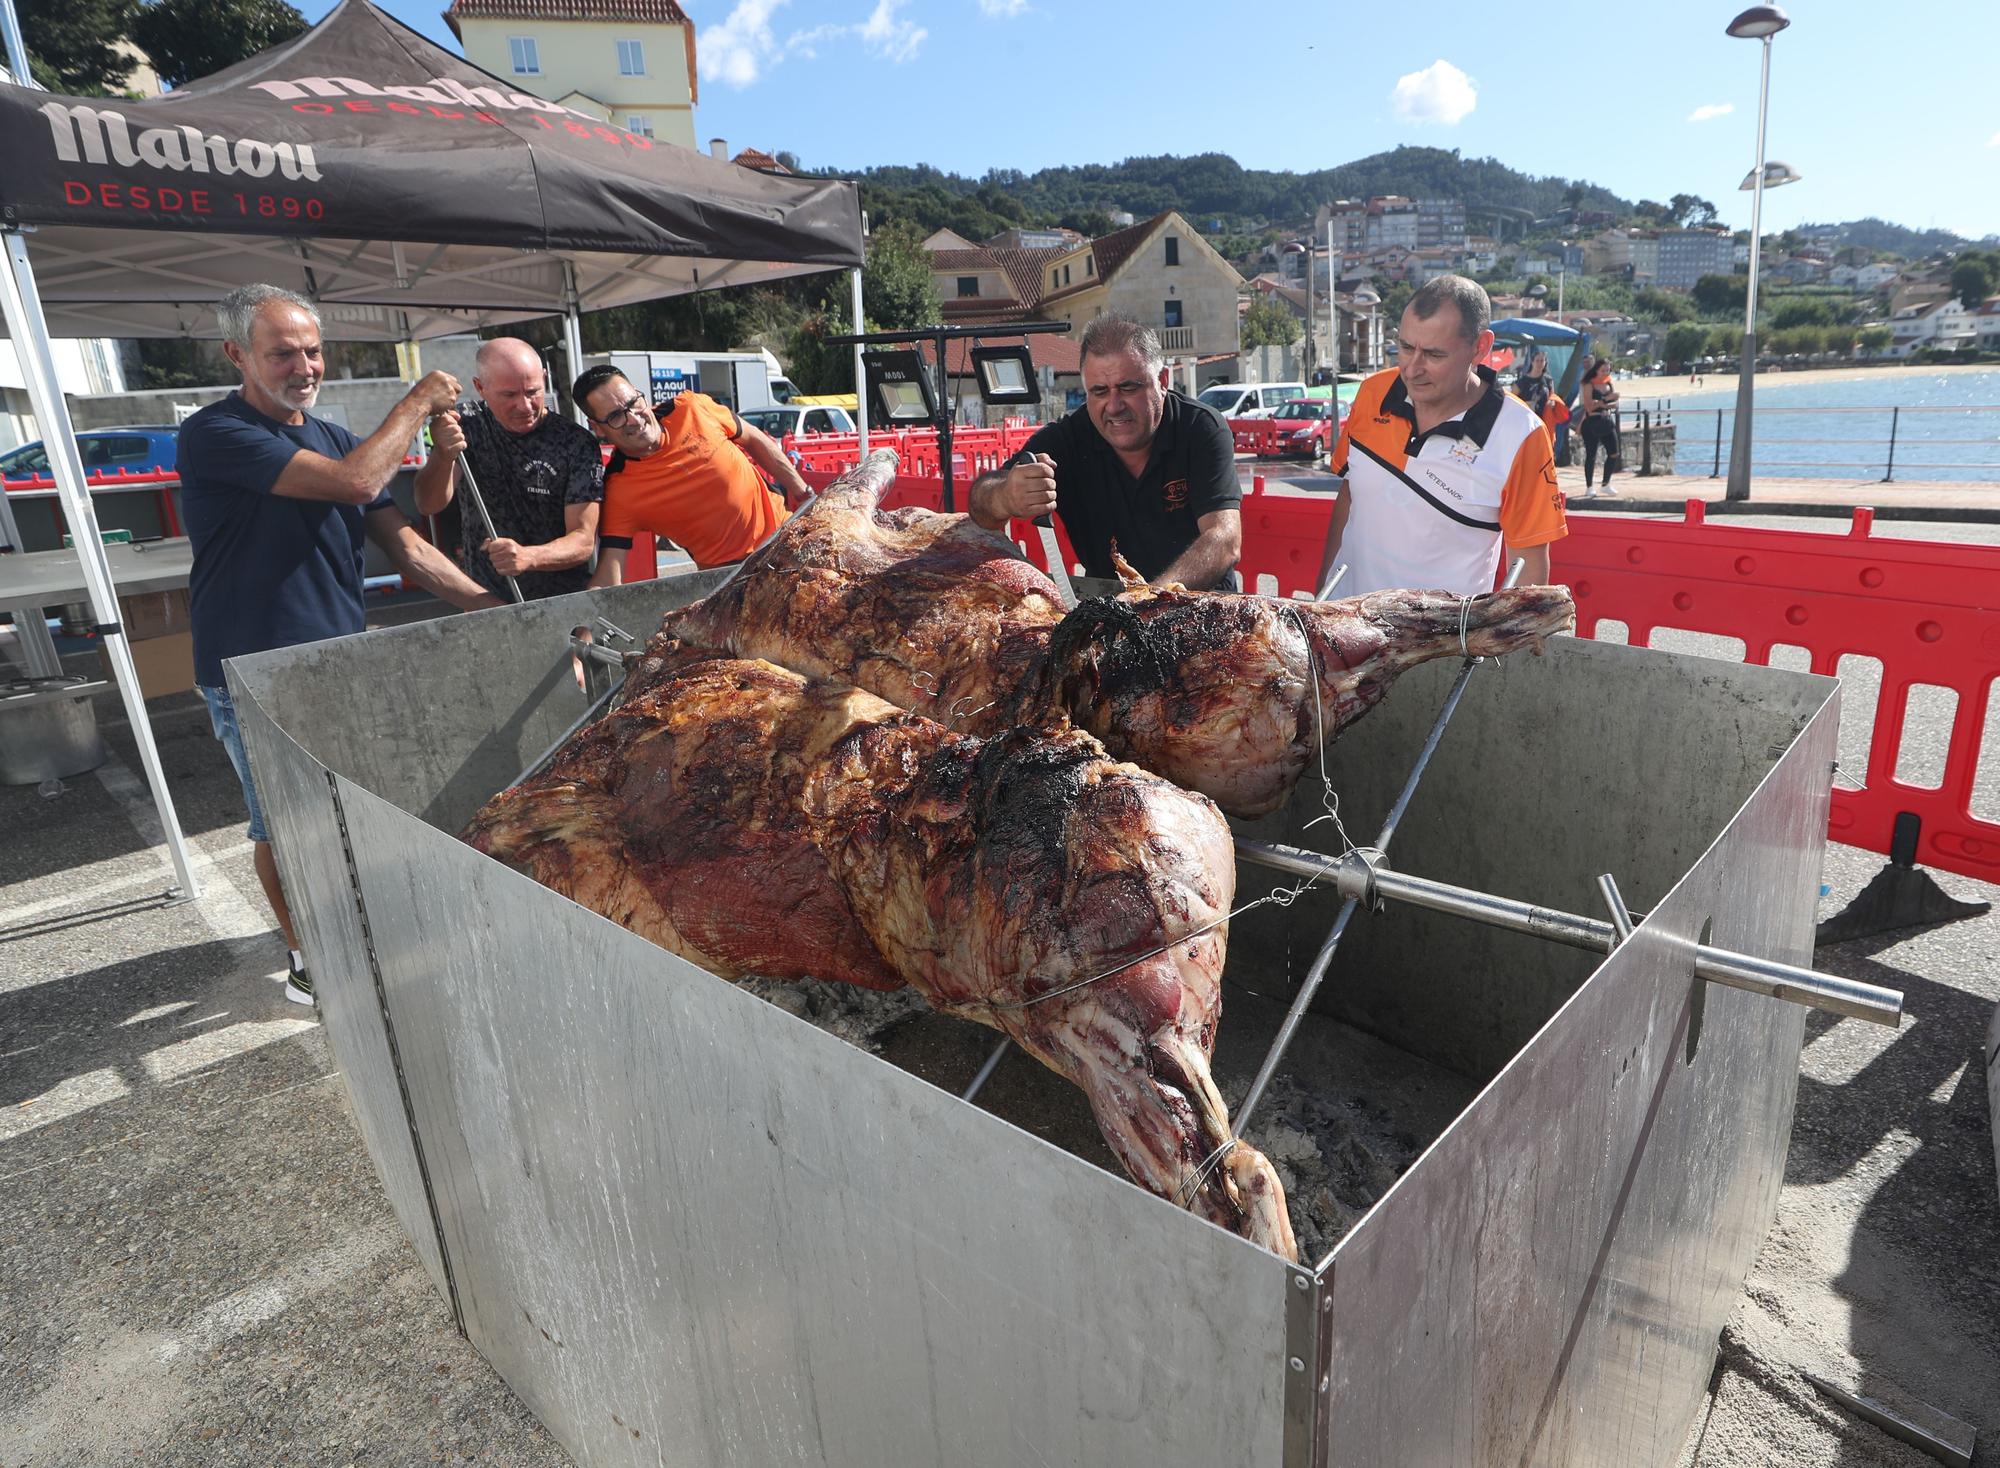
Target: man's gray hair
1475, 309
237, 312
1111, 335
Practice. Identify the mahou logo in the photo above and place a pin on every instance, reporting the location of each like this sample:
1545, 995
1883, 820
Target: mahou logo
102, 135
439, 91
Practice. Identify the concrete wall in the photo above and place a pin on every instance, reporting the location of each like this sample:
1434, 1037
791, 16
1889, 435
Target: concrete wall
360, 402
1271, 364
363, 402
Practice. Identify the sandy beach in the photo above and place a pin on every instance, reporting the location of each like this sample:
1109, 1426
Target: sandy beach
1675, 385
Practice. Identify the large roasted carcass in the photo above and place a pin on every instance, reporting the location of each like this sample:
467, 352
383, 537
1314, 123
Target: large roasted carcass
758, 822
1227, 695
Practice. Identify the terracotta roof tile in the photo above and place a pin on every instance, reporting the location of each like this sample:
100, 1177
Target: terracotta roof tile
971, 310
1027, 269
973, 259
657, 12
1112, 250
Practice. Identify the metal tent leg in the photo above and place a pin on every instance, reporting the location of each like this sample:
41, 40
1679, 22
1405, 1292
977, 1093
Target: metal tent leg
573, 336
30, 330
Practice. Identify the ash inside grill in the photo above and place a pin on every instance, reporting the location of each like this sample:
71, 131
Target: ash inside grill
1342, 1120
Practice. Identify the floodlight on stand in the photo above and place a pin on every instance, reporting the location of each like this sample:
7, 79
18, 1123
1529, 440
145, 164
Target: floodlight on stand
1005, 374
900, 388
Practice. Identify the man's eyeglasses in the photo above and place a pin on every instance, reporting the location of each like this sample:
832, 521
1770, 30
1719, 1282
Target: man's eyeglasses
624, 416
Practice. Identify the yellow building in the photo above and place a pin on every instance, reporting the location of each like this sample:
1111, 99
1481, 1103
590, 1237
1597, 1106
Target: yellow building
630, 62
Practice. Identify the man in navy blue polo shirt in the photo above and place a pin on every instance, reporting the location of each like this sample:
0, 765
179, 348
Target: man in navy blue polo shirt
276, 503
1137, 467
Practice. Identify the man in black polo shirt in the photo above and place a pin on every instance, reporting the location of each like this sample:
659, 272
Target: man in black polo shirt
1149, 471
540, 475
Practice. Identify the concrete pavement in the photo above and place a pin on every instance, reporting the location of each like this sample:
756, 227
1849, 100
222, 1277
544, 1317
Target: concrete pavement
197, 1265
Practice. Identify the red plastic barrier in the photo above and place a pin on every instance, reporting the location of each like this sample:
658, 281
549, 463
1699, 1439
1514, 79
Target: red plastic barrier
1928, 610
1254, 435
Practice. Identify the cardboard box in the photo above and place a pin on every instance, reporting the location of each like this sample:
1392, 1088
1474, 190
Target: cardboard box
149, 614
165, 664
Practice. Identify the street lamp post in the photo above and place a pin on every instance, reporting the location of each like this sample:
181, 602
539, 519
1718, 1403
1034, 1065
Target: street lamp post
1759, 23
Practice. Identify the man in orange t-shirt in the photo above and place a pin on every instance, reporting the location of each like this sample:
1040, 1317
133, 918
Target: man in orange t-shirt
688, 471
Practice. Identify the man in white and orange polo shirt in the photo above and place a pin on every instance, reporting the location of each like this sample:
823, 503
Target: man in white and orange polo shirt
1448, 477
688, 470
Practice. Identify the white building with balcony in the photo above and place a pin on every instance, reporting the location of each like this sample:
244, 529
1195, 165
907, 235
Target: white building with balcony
1945, 325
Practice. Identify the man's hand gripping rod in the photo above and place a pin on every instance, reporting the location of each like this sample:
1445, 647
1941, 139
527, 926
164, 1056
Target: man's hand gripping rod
478, 502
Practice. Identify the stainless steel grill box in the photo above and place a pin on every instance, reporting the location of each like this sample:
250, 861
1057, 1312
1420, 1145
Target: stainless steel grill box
690, 1228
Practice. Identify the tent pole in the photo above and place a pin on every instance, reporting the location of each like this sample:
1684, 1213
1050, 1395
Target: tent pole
38, 649
17, 48
573, 335
860, 386
30, 330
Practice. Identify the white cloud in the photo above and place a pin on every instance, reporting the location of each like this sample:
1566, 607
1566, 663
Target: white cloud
806, 43
741, 48
1438, 93
890, 38
1003, 9
1994, 141
1709, 111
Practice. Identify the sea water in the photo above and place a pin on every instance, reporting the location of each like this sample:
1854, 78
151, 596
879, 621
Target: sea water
1945, 425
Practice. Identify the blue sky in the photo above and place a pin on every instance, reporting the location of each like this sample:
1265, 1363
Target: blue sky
1884, 112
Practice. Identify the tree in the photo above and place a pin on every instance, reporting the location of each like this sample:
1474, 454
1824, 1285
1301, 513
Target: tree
1973, 278
1691, 211
813, 365
72, 44
1873, 339
896, 283
1267, 324
1395, 296
1720, 295
1656, 305
1685, 342
187, 39
1801, 311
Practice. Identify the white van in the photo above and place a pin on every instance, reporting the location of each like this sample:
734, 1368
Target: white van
1250, 399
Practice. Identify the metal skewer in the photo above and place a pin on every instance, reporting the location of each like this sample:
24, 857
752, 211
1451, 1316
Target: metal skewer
1363, 877
478, 502
1323, 960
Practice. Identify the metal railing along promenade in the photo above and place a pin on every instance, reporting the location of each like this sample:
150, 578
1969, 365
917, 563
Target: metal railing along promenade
1865, 443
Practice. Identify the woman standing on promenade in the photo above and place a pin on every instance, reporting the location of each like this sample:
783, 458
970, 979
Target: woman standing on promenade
1596, 401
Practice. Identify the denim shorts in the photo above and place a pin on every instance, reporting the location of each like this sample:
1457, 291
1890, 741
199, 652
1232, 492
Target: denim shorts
222, 718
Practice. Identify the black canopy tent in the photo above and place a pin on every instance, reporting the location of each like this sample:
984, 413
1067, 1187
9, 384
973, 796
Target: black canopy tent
408, 192
404, 190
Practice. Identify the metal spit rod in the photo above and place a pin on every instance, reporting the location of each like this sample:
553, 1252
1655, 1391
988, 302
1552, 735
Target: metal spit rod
1362, 877
1323, 960
478, 502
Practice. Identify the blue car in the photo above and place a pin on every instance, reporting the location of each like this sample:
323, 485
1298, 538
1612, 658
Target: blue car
142, 450
148, 511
